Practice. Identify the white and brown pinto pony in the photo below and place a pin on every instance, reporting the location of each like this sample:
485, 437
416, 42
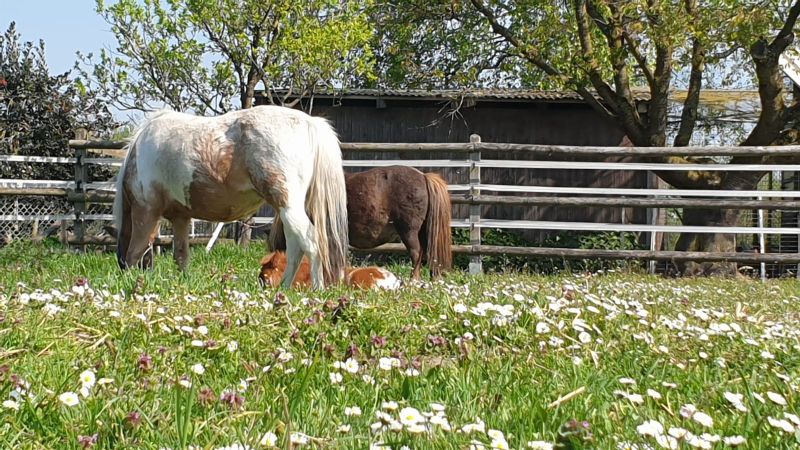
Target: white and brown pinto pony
224, 168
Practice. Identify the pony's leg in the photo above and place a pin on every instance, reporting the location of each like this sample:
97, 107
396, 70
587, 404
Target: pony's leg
143, 231
300, 238
294, 256
147, 258
180, 241
411, 240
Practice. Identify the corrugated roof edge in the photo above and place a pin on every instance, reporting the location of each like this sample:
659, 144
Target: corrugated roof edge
450, 94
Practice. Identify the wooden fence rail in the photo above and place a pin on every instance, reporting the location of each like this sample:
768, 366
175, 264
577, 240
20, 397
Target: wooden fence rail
82, 191
467, 199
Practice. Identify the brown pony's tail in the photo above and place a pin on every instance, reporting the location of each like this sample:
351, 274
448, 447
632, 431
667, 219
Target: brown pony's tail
440, 242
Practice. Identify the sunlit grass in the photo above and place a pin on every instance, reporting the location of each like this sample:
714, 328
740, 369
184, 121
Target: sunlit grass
521, 355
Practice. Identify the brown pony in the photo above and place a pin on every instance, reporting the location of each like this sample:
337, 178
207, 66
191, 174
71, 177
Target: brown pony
388, 202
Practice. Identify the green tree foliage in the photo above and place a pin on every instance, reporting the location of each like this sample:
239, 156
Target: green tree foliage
607, 50
603, 50
40, 112
436, 45
211, 55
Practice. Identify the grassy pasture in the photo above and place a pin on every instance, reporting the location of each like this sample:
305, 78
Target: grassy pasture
94, 358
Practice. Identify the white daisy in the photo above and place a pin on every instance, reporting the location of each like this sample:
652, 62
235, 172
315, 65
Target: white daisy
650, 428
87, 378
11, 404
269, 440
703, 419
69, 399
733, 441
351, 365
776, 398
410, 416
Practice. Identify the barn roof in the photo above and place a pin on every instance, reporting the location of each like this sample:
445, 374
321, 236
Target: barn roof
498, 94
743, 104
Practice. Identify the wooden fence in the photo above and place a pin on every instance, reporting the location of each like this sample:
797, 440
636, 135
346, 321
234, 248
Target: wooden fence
82, 191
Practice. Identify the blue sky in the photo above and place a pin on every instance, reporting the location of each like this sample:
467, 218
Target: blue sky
65, 25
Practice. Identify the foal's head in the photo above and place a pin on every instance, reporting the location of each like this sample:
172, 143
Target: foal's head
272, 267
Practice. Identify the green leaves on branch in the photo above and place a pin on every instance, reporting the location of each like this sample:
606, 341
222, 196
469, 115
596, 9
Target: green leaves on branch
211, 56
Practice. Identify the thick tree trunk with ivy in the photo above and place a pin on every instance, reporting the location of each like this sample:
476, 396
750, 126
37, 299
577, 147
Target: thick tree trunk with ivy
715, 242
712, 242
719, 242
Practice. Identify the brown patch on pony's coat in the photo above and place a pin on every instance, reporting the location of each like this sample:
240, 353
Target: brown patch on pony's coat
269, 182
273, 266
275, 192
215, 157
217, 192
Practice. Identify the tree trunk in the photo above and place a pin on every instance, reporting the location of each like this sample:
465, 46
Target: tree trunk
708, 242
715, 242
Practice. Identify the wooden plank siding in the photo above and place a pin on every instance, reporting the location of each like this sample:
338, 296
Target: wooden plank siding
525, 121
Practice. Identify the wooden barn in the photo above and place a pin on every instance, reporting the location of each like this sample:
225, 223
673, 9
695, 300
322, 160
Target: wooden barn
497, 115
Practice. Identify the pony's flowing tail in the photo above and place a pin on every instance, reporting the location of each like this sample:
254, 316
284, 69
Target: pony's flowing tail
326, 202
440, 242
122, 211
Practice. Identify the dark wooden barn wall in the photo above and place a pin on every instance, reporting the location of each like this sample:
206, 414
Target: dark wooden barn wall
418, 121
535, 123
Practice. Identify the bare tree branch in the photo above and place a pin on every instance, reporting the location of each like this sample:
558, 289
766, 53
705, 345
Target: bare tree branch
532, 54
620, 99
725, 53
788, 25
690, 104
641, 61
765, 56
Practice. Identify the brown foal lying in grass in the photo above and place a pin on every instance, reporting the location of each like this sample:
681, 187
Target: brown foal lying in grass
274, 264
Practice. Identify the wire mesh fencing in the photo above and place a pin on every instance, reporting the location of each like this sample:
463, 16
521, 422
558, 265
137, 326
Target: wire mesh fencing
38, 217
31, 217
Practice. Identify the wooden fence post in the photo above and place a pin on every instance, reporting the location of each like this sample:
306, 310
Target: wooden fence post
652, 219
475, 262
81, 178
246, 232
